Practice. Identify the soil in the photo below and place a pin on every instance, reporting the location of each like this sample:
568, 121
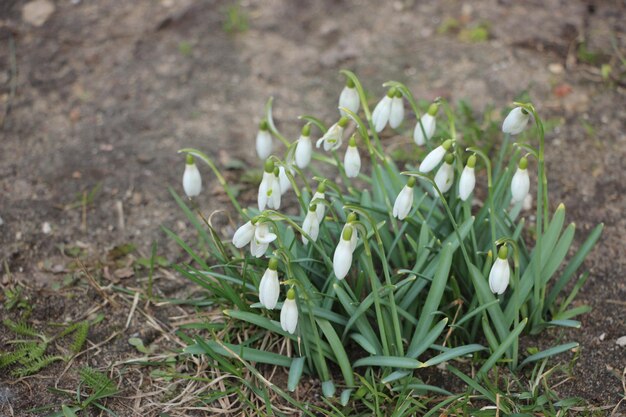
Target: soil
101, 95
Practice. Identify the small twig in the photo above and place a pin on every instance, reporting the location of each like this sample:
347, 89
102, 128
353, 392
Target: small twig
132, 310
83, 224
119, 208
96, 286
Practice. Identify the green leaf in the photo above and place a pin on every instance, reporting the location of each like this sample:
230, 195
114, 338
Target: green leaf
548, 353
504, 346
295, 372
340, 354
388, 361
452, 354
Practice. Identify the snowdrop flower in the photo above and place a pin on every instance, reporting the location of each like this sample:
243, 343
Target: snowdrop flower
516, 121
321, 208
500, 273
333, 138
269, 288
263, 141
266, 186
349, 98
521, 182
435, 156
304, 147
429, 123
274, 198
467, 182
192, 182
342, 260
289, 313
396, 115
352, 217
382, 111
404, 201
283, 179
244, 234
352, 160
311, 225
261, 240
444, 178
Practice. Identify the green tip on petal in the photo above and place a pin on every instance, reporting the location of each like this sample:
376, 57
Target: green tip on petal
343, 121
352, 141
291, 294
352, 217
269, 166
349, 83
264, 125
306, 129
189, 159
471, 161
433, 109
313, 207
447, 144
449, 158
411, 182
391, 92
503, 252
347, 233
523, 163
321, 188
273, 265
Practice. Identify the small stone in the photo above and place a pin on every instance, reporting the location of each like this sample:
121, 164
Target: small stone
1, 221
556, 68
37, 12
621, 341
46, 228
602, 336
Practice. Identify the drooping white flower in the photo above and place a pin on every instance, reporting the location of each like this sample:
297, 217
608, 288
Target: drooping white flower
265, 188
333, 138
382, 111
311, 225
304, 148
244, 235
500, 273
342, 260
467, 182
263, 141
520, 184
261, 240
192, 182
273, 199
321, 207
444, 178
396, 115
435, 156
404, 200
269, 288
428, 123
283, 179
516, 121
289, 313
355, 235
349, 98
352, 160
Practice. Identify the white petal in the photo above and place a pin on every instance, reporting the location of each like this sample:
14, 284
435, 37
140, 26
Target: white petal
499, 276
289, 316
321, 208
263, 144
262, 234
429, 124
273, 201
342, 260
515, 122
520, 185
269, 289
192, 182
304, 148
403, 204
311, 227
396, 115
349, 99
352, 162
285, 184
258, 249
380, 116
467, 182
264, 188
444, 178
243, 235
432, 159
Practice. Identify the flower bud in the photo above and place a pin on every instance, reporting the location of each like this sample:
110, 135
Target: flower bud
289, 313
404, 201
263, 141
520, 184
269, 288
444, 178
244, 235
382, 111
192, 182
304, 148
342, 259
333, 138
311, 225
435, 156
396, 115
516, 121
352, 160
349, 98
467, 182
500, 273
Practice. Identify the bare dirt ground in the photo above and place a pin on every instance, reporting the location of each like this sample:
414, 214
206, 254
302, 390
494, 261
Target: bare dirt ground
103, 93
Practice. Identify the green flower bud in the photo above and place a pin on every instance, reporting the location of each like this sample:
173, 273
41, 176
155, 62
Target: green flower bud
352, 141
447, 144
264, 125
269, 166
351, 217
276, 171
306, 129
291, 294
321, 188
190, 159
349, 83
343, 121
523, 163
503, 252
398, 94
449, 158
273, 265
411, 182
471, 161
391, 92
433, 109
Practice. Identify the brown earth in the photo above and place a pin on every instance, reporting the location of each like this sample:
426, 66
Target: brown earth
106, 92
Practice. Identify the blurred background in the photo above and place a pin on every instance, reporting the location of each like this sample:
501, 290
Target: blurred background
97, 96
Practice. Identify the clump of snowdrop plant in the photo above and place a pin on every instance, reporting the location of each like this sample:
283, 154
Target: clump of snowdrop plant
386, 266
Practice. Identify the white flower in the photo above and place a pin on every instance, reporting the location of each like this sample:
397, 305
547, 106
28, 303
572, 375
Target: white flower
262, 239
352, 160
342, 260
269, 288
434, 157
192, 182
354, 239
396, 115
520, 184
500, 273
244, 235
321, 207
289, 313
381, 113
333, 138
283, 179
467, 182
404, 200
349, 99
444, 178
429, 123
266, 186
273, 200
263, 141
311, 225
516, 121
304, 148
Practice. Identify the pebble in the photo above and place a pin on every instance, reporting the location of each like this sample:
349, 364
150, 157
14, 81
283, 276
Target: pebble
602, 336
621, 341
46, 228
37, 12
1, 221
556, 68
